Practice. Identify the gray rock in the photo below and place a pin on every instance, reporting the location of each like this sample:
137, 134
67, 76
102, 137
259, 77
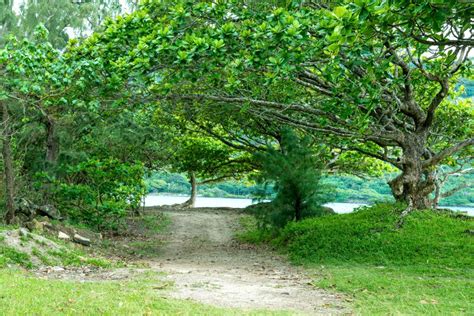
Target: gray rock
81, 240
49, 211
57, 269
63, 236
23, 232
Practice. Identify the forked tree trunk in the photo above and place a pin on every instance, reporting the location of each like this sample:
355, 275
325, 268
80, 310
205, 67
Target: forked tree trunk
192, 200
8, 166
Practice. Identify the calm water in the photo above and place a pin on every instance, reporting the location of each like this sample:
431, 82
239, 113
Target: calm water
341, 208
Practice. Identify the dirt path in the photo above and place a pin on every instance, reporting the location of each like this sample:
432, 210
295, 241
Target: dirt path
206, 264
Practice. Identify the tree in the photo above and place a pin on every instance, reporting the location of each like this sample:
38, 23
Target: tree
296, 171
62, 18
193, 151
372, 75
36, 85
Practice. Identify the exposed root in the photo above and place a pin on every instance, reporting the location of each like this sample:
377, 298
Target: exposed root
401, 219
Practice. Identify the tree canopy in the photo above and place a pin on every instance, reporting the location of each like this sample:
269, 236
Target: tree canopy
378, 76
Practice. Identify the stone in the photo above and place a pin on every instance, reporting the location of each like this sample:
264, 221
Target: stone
63, 236
49, 211
25, 209
34, 225
81, 240
57, 269
23, 232
49, 226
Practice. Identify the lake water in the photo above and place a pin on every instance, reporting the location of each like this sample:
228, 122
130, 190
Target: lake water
340, 208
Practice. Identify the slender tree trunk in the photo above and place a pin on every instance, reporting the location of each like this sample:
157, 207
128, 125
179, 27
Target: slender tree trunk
298, 215
192, 199
52, 142
8, 166
191, 202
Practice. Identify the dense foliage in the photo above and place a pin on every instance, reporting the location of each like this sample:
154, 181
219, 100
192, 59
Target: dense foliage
97, 192
348, 74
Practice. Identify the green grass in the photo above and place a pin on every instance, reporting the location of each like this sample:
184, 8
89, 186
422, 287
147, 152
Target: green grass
424, 268
21, 294
368, 236
155, 223
10, 256
67, 255
395, 290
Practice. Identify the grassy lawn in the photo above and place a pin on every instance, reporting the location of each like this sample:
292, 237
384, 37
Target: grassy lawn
401, 290
22, 294
424, 268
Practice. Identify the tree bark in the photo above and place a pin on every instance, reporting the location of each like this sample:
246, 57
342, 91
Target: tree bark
8, 166
414, 185
52, 142
191, 202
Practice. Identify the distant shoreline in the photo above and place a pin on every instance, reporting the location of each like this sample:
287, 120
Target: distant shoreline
250, 198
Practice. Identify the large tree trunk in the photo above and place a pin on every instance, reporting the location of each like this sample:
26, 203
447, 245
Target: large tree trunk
414, 185
8, 166
192, 200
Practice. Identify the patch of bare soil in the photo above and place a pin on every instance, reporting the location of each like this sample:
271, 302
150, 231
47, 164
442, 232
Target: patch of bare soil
206, 264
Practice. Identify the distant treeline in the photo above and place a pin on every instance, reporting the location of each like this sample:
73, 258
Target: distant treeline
343, 188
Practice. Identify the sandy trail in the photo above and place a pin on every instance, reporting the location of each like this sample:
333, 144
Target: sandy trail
206, 264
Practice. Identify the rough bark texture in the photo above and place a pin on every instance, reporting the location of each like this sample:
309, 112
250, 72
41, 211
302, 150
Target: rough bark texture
416, 181
192, 200
8, 167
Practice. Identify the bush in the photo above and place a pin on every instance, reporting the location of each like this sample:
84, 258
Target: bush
368, 236
99, 193
295, 170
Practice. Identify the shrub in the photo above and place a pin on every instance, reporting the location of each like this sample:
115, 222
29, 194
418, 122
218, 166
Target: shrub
99, 193
295, 170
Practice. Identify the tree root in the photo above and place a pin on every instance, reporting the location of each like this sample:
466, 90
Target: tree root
401, 219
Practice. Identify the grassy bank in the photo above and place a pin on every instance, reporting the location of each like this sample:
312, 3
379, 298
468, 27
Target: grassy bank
425, 268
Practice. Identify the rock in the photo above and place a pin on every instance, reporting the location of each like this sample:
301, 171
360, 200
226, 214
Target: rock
63, 236
23, 232
88, 234
34, 225
469, 231
81, 240
49, 211
49, 226
57, 269
25, 209
327, 210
